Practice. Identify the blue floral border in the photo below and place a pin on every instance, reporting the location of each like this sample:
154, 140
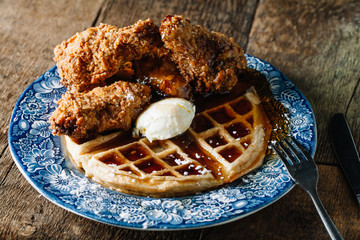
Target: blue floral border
38, 155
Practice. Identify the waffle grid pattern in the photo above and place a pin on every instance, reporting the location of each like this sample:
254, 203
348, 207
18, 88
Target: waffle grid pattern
224, 132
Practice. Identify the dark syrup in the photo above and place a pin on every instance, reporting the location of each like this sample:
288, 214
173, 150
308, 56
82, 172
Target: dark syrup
189, 170
189, 146
134, 152
242, 107
238, 130
112, 159
173, 159
246, 143
247, 79
230, 153
276, 112
163, 77
216, 140
124, 138
150, 166
201, 123
221, 115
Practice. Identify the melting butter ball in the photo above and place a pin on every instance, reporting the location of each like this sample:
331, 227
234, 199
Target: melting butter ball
165, 119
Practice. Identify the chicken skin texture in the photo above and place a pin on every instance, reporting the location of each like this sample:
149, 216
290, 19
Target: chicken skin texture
89, 57
83, 116
99, 68
209, 61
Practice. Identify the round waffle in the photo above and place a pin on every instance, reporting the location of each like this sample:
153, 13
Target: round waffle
222, 144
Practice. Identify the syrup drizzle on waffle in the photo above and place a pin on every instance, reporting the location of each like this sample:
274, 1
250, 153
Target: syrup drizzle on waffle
210, 153
224, 131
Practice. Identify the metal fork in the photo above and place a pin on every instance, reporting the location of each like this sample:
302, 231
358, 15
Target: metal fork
304, 172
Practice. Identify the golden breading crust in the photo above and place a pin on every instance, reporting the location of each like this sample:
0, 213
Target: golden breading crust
209, 58
83, 116
89, 57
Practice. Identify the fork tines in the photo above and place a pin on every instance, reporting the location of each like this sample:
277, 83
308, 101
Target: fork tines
291, 151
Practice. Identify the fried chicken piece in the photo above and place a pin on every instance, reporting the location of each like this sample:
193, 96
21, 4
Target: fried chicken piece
83, 116
89, 57
163, 77
209, 60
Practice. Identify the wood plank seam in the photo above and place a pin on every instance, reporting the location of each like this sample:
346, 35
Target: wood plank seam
328, 164
3, 151
9, 169
98, 13
204, 233
6, 174
352, 96
104, 10
251, 25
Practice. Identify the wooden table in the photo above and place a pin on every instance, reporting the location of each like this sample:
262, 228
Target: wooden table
316, 44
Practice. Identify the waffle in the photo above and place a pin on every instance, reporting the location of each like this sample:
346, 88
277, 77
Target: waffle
222, 144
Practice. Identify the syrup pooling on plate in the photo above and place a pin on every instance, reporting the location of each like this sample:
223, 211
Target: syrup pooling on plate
278, 115
231, 153
238, 130
201, 123
188, 143
216, 140
150, 166
242, 107
134, 152
222, 115
121, 139
112, 159
248, 78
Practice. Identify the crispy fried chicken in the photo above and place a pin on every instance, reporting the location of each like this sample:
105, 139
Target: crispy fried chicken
208, 60
82, 116
93, 64
89, 57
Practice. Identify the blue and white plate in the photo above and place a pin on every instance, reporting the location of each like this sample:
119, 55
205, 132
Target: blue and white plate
39, 157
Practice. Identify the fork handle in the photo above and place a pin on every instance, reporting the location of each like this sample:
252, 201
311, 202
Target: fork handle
330, 227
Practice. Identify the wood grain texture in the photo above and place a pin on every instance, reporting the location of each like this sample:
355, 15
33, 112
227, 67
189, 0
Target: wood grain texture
24, 214
232, 18
316, 45
294, 216
29, 31
353, 115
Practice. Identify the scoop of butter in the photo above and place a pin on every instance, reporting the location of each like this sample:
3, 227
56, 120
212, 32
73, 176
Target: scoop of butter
165, 119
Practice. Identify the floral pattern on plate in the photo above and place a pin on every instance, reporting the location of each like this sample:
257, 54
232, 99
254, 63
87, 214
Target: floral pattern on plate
38, 155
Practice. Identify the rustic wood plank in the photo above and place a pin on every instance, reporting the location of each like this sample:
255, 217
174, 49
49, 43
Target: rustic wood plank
352, 115
294, 216
28, 33
23, 60
25, 214
328, 55
316, 45
232, 18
